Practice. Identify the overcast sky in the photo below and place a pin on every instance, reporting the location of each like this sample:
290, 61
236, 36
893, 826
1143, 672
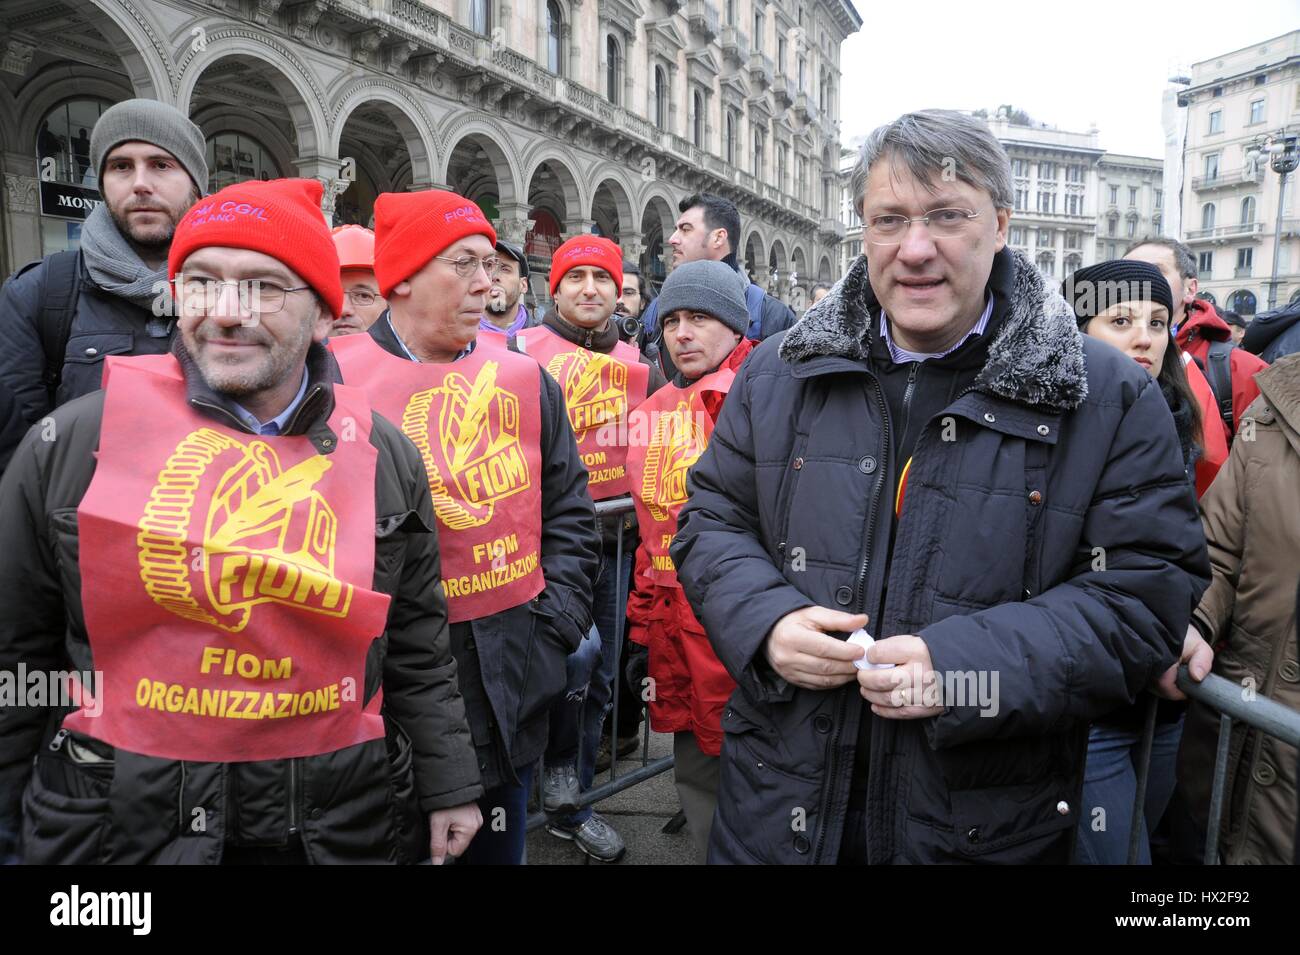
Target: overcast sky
1069, 64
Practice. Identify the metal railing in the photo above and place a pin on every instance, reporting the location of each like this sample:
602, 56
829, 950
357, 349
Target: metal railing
1259, 712
649, 768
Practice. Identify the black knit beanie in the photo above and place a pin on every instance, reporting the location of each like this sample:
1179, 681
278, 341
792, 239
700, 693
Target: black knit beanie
1092, 290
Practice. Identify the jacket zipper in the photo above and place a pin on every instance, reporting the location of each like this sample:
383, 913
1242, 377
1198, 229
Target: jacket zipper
907, 397
56, 742
832, 759
293, 797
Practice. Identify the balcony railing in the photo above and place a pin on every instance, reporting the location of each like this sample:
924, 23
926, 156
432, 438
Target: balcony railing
782, 90
703, 18
735, 43
1227, 178
1241, 272
1240, 230
760, 68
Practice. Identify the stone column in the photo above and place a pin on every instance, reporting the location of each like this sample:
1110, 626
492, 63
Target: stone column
20, 242
513, 223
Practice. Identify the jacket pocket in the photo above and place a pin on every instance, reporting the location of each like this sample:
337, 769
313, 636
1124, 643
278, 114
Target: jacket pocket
1015, 825
544, 668
66, 813
390, 547
404, 805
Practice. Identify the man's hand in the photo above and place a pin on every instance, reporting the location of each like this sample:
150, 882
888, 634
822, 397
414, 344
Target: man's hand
450, 830
800, 652
903, 692
1199, 657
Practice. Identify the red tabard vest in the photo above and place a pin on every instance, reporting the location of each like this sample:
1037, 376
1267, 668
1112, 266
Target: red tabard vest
478, 425
668, 432
599, 391
226, 579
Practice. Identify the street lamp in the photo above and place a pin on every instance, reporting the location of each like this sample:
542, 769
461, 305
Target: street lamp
1283, 158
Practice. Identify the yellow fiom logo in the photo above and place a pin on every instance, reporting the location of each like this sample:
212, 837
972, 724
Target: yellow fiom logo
478, 436
595, 388
676, 443
268, 537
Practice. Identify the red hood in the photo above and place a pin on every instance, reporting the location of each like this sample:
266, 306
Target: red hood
740, 353
1203, 322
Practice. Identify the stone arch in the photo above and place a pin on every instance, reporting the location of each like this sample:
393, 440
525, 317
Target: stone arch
577, 201
496, 145
619, 196
138, 42
287, 74
778, 258
406, 114
656, 205
799, 265
41, 94
825, 274
219, 118
753, 258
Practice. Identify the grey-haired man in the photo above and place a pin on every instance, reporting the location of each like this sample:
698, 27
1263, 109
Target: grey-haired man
61, 316
936, 454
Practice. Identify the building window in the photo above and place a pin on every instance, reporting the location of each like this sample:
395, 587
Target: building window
1207, 216
758, 29
1155, 225
697, 118
1256, 111
1022, 199
1114, 195
554, 38
1017, 235
1245, 259
729, 143
1261, 79
480, 16
1212, 166
233, 157
1047, 202
1242, 302
1217, 91
1205, 264
1073, 240
782, 153
1248, 210
780, 54
1020, 167
1114, 253
1132, 228
613, 70
63, 143
801, 72
731, 12
1047, 170
1045, 238
1047, 264
1074, 173
1160, 198
1132, 197
1111, 225
760, 169
1216, 121
660, 116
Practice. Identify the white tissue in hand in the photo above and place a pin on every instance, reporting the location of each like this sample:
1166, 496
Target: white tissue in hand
865, 640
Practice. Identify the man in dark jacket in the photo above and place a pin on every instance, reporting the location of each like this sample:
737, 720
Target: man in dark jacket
198, 537
516, 524
60, 317
936, 452
709, 228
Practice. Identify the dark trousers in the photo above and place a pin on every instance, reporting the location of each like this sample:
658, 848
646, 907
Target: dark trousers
500, 840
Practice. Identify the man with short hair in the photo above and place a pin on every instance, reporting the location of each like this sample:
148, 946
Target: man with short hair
238, 554
61, 316
515, 523
602, 379
1236, 324
506, 313
1201, 332
819, 292
934, 452
362, 303
704, 323
709, 228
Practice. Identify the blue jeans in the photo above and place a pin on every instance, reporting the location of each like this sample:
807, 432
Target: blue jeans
609, 610
1110, 783
500, 840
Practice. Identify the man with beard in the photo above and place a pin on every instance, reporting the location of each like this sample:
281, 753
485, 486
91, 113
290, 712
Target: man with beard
506, 314
61, 316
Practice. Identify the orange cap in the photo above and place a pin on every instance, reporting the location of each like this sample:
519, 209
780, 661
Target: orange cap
355, 245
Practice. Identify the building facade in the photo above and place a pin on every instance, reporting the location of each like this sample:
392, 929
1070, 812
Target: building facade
1231, 216
557, 116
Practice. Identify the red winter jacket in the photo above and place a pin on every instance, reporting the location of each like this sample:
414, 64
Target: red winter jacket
1202, 326
1214, 444
691, 686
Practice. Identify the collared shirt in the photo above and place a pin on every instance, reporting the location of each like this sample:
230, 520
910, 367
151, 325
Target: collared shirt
902, 356
410, 354
521, 319
276, 424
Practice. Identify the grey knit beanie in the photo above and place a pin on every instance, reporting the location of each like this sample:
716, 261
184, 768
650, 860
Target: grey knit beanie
706, 286
151, 121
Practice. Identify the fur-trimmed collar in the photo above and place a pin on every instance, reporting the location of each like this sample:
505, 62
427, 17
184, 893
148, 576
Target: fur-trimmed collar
1036, 359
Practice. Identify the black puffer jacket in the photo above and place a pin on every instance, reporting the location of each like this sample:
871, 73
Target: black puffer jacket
103, 325
1063, 446
88, 803
512, 663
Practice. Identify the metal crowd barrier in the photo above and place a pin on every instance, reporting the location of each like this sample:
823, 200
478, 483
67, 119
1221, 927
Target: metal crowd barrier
1261, 713
649, 768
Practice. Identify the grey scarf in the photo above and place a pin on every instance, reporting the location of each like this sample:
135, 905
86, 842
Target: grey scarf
117, 269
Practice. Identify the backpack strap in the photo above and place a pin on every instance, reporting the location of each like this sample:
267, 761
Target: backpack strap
1218, 371
59, 294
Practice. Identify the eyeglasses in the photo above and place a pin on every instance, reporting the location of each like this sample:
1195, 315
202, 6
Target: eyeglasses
467, 265
942, 223
362, 297
262, 298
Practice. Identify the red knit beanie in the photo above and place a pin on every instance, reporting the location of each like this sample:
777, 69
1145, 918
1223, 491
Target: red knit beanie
587, 250
281, 218
412, 227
